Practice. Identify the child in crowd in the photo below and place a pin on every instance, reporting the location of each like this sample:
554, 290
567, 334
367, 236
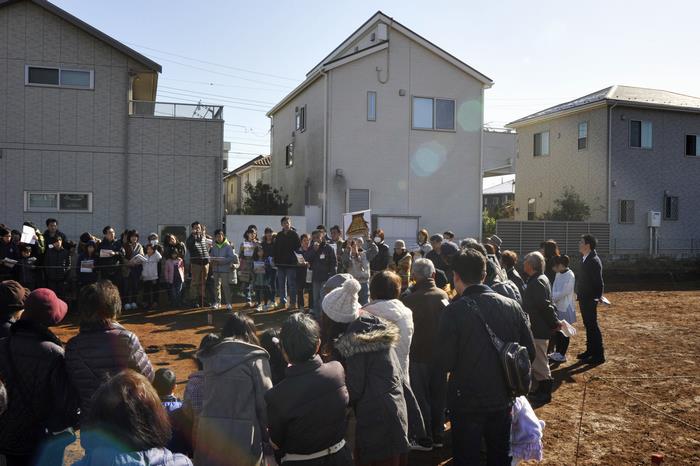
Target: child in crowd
57, 263
87, 260
174, 277
245, 271
132, 272
563, 298
149, 276
526, 433
25, 270
269, 340
164, 382
262, 292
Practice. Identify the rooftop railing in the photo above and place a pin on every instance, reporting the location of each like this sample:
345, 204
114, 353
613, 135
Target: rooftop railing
175, 110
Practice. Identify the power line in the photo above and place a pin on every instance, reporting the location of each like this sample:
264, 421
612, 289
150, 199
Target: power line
214, 63
209, 83
223, 99
217, 95
195, 101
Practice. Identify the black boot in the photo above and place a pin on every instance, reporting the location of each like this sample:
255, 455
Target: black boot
543, 394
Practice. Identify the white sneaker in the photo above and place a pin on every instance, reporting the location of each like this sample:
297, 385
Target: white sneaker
259, 308
216, 305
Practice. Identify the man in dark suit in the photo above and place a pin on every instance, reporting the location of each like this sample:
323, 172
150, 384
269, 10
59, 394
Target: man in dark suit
590, 291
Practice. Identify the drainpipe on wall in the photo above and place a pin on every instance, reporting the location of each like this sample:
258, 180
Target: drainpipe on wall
481, 168
610, 162
324, 212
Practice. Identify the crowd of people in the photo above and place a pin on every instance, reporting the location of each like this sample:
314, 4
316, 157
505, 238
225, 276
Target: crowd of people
385, 349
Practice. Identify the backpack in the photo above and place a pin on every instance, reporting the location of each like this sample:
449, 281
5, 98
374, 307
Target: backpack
514, 358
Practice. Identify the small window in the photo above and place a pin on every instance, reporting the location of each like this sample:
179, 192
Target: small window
48, 76
670, 207
289, 156
300, 117
44, 76
57, 202
358, 199
541, 144
444, 114
641, 134
691, 145
422, 113
371, 106
74, 78
582, 135
626, 211
531, 209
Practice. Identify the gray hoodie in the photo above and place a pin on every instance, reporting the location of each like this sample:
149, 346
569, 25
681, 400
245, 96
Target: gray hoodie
233, 421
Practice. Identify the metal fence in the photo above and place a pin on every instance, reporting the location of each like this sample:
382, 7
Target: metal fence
524, 237
176, 110
668, 247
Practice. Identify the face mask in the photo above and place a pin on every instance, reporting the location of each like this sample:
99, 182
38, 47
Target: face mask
377, 239
154, 242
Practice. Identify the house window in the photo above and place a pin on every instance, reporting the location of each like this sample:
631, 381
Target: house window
670, 207
626, 211
531, 209
57, 202
358, 199
541, 144
691, 145
435, 114
640, 134
289, 156
59, 77
371, 106
300, 116
582, 135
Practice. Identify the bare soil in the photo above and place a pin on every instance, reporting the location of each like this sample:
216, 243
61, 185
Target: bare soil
645, 399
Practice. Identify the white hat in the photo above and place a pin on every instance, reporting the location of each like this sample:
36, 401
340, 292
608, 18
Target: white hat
342, 304
399, 244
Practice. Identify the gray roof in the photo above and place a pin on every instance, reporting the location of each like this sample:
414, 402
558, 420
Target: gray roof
502, 188
150, 64
627, 95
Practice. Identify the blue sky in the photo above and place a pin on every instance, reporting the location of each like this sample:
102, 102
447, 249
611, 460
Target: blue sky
539, 53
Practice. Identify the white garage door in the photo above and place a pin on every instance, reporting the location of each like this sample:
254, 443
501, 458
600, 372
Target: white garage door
405, 228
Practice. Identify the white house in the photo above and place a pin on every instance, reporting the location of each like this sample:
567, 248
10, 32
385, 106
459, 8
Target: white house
387, 121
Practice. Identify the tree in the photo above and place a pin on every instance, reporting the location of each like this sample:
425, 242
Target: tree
261, 199
569, 208
488, 224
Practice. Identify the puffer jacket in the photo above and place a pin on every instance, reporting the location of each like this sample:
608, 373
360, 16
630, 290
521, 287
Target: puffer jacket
46, 401
397, 313
375, 385
402, 266
225, 257
236, 378
100, 351
105, 456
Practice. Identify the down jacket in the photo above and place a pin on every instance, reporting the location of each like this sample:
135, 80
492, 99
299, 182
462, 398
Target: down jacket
375, 385
100, 351
232, 425
397, 313
51, 402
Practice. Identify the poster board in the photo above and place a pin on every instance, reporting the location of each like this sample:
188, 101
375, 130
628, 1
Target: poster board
357, 224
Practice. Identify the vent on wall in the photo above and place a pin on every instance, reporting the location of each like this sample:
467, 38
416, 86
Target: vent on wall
373, 37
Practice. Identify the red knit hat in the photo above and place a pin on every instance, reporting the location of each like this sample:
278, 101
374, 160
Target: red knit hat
43, 307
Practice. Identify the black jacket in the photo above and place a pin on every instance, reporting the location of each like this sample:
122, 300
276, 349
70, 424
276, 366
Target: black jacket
590, 279
515, 277
375, 385
198, 249
46, 401
286, 242
306, 410
465, 350
381, 260
108, 267
57, 265
324, 268
9, 251
98, 352
538, 305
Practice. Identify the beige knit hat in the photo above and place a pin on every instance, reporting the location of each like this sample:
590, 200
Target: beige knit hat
399, 244
342, 304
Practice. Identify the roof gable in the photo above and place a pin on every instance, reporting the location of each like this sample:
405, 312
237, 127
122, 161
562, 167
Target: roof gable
261, 161
136, 56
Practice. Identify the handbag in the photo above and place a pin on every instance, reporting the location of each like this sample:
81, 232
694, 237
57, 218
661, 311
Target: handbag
514, 358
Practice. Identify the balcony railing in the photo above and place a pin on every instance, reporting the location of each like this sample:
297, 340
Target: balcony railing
175, 110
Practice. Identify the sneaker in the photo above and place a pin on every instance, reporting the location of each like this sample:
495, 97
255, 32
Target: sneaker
266, 307
216, 305
417, 446
134, 306
249, 303
557, 357
229, 308
127, 307
259, 308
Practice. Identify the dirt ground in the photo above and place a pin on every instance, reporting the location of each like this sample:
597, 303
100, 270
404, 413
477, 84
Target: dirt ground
645, 399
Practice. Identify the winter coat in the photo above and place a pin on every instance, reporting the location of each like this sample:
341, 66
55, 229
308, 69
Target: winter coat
357, 266
306, 410
25, 272
150, 267
42, 396
515, 277
7, 251
422, 250
178, 247
402, 266
225, 257
375, 385
49, 237
108, 266
173, 267
537, 303
245, 269
426, 302
465, 350
590, 278
563, 295
378, 255
323, 262
104, 456
198, 249
236, 377
86, 278
57, 263
100, 351
192, 398
286, 242
395, 312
